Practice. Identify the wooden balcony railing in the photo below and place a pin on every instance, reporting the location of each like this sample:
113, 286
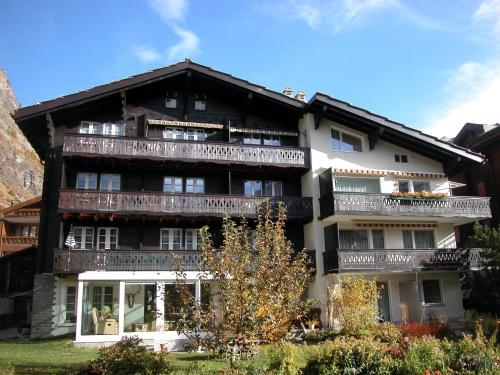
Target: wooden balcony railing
19, 240
77, 261
384, 204
22, 212
178, 204
402, 260
191, 151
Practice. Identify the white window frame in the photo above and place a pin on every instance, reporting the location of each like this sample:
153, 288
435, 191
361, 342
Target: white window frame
89, 127
410, 184
413, 237
64, 305
86, 179
83, 237
356, 177
167, 236
341, 133
274, 140
107, 238
200, 105
194, 235
110, 182
370, 236
196, 182
173, 133
113, 129
171, 103
400, 157
274, 190
440, 292
174, 180
194, 134
103, 295
253, 183
252, 139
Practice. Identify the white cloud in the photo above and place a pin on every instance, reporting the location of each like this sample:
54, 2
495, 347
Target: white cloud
337, 15
188, 44
169, 10
471, 93
146, 54
172, 13
489, 10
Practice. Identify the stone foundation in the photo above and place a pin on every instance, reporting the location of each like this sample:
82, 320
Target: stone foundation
43, 306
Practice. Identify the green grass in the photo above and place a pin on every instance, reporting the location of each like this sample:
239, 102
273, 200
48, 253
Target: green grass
59, 355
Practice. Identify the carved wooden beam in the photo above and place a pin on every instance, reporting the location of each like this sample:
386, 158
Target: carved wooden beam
50, 128
318, 116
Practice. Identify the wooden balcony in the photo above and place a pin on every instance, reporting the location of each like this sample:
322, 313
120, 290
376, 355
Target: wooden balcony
401, 260
85, 201
77, 261
19, 240
385, 205
187, 151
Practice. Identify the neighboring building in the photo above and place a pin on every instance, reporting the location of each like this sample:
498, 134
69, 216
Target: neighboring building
19, 226
134, 167
484, 180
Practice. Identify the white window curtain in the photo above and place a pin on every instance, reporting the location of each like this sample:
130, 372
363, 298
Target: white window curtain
419, 239
357, 185
353, 239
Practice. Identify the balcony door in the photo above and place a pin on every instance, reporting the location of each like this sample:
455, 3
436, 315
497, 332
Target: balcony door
409, 301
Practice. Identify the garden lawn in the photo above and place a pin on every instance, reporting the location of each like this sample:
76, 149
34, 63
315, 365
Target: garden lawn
59, 355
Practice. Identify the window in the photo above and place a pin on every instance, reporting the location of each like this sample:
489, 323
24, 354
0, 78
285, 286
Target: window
273, 188
171, 103
87, 181
195, 185
418, 239
401, 158
172, 185
173, 133
345, 142
107, 238
417, 186
84, 238
170, 239
195, 134
90, 128
432, 291
192, 239
357, 185
353, 239
271, 140
361, 239
113, 129
253, 188
70, 305
251, 139
26, 231
109, 182
102, 299
200, 105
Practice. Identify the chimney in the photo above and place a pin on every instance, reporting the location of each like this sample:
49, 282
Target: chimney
288, 91
300, 96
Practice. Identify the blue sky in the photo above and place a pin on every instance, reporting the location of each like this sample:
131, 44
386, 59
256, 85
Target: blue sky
433, 65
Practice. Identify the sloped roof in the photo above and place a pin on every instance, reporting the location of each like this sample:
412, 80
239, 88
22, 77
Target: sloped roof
141, 79
18, 206
396, 126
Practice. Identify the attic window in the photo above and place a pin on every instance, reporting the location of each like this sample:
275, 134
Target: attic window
345, 142
401, 158
200, 102
171, 101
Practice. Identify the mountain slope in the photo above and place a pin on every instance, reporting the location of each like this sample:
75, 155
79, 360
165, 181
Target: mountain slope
21, 171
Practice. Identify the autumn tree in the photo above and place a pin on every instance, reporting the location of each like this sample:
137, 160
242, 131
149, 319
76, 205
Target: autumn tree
257, 284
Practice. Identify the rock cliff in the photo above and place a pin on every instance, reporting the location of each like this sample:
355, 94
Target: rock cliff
21, 171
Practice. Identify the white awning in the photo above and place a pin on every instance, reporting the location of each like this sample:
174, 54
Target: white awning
185, 124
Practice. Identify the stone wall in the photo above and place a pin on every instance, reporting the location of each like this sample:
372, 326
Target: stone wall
43, 305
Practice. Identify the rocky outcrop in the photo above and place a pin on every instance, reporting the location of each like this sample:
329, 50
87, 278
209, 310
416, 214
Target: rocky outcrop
21, 171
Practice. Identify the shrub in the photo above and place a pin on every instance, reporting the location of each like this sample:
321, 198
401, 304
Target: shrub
386, 332
488, 323
350, 355
7, 369
318, 335
422, 355
283, 359
128, 357
473, 355
440, 330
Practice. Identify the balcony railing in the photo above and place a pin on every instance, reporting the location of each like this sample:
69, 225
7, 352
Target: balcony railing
384, 204
400, 260
177, 204
22, 212
19, 240
77, 261
190, 151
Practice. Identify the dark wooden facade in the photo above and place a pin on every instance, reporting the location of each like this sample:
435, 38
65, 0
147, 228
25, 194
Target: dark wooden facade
142, 158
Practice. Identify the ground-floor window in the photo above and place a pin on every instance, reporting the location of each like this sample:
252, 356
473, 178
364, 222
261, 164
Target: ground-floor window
140, 307
70, 305
432, 291
100, 308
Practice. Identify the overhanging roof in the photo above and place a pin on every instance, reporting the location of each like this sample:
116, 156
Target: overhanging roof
322, 103
115, 87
